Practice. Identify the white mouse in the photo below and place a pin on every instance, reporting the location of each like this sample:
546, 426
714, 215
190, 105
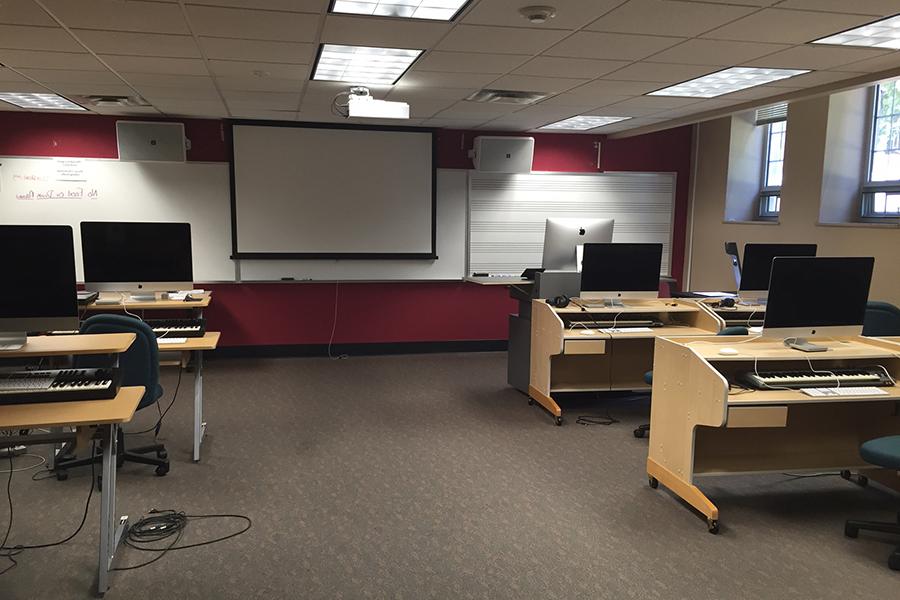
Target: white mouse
728, 352
586, 332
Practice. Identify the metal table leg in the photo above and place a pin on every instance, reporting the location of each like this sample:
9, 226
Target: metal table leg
111, 531
199, 423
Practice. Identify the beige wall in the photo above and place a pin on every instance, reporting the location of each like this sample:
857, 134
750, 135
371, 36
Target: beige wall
805, 154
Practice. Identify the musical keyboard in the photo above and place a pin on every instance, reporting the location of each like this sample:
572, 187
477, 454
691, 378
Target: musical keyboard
58, 385
838, 377
177, 327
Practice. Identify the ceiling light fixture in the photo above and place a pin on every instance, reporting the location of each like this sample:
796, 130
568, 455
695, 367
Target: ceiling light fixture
583, 123
39, 101
727, 81
363, 64
432, 10
880, 34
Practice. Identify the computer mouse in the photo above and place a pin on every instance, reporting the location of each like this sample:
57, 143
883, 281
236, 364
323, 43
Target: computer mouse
587, 332
728, 352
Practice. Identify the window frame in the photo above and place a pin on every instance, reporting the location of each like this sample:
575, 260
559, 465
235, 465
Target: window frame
869, 187
764, 211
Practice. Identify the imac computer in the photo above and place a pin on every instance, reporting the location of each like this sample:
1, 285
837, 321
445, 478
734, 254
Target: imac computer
563, 239
141, 258
799, 304
616, 272
758, 265
38, 275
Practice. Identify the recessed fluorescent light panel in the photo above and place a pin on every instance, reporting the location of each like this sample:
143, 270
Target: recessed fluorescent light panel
39, 101
880, 34
727, 81
583, 123
363, 64
434, 10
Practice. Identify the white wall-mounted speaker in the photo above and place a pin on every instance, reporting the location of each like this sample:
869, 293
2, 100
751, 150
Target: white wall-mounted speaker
498, 154
150, 140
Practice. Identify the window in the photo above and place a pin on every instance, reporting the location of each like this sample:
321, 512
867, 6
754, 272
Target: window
770, 195
881, 194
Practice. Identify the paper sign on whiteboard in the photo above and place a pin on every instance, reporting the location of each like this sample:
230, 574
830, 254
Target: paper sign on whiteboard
70, 169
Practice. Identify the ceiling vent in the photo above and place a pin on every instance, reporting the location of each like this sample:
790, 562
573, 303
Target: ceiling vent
506, 97
110, 101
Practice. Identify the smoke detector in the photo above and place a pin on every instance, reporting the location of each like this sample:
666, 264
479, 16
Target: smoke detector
538, 14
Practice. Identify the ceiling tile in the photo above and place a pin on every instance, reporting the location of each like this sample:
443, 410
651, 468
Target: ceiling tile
134, 15
469, 62
92, 89
502, 40
579, 103
126, 111
652, 104
812, 79
570, 14
815, 57
10, 75
665, 73
744, 2
260, 84
466, 109
450, 123
266, 100
24, 12
154, 64
423, 109
309, 6
163, 94
874, 65
258, 50
256, 70
68, 76
616, 87
590, 44
416, 93
446, 80
253, 24
527, 83
139, 44
716, 52
50, 60
191, 108
786, 26
585, 68
161, 80
668, 17
56, 39
388, 33
883, 8
22, 86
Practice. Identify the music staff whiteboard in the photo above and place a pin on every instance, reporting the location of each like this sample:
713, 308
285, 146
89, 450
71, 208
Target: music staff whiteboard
507, 213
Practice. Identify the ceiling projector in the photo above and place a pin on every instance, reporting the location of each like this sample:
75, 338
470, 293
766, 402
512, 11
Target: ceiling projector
360, 103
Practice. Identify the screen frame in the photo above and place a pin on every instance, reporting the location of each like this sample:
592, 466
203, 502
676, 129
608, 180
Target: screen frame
238, 255
613, 294
762, 294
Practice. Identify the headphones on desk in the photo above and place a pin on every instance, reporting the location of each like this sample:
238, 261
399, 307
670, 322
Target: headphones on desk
560, 301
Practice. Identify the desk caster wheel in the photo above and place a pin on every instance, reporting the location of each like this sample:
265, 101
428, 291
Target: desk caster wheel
62, 475
712, 526
162, 455
851, 531
638, 433
845, 474
558, 421
862, 481
530, 402
653, 481
161, 470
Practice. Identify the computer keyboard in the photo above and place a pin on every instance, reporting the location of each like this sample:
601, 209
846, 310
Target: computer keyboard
177, 327
58, 385
866, 376
844, 391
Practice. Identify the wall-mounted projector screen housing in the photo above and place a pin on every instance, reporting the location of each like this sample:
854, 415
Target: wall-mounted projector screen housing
314, 190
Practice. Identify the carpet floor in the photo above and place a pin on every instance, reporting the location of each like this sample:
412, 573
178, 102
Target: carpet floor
426, 476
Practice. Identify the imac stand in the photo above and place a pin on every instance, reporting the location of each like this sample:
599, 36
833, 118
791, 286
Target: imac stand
803, 345
12, 340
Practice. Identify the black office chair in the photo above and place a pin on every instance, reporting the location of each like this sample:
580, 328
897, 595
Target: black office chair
882, 318
140, 366
883, 452
648, 376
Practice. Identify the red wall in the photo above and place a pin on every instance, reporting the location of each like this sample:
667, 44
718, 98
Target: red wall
300, 313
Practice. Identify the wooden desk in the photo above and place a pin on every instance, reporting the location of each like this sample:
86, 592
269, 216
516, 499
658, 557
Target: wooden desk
699, 428
195, 306
746, 315
104, 415
193, 348
565, 360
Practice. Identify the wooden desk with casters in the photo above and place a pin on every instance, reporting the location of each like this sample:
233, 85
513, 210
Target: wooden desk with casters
92, 419
123, 305
563, 359
702, 425
191, 351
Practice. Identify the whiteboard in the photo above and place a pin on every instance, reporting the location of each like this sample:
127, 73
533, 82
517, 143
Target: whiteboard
66, 191
451, 249
306, 191
507, 213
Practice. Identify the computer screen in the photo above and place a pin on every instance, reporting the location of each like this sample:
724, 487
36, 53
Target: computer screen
758, 262
616, 269
825, 292
37, 270
562, 236
136, 254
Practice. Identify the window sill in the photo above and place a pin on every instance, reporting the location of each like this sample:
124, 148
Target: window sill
892, 225
759, 222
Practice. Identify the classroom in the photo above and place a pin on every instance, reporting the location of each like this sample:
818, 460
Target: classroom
476, 299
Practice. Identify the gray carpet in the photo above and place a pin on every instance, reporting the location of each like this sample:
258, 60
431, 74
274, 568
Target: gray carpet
427, 477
